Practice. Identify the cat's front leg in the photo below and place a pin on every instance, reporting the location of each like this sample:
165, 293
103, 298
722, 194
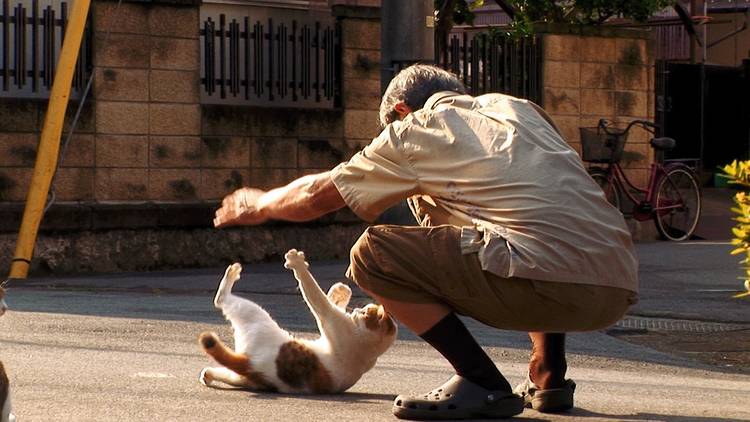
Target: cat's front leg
339, 294
231, 275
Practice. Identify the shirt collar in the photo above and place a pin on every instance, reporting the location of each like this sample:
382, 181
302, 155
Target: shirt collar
438, 98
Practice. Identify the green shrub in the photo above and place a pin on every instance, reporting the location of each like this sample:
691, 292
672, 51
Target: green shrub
738, 173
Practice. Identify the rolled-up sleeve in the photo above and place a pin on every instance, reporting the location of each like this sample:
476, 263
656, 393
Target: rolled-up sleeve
377, 177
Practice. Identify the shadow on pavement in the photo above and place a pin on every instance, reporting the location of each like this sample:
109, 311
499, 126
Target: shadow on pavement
583, 413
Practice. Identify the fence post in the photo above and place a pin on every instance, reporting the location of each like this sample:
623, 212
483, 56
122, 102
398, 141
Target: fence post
49, 144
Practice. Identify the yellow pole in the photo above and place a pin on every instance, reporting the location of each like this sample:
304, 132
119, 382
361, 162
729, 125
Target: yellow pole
49, 142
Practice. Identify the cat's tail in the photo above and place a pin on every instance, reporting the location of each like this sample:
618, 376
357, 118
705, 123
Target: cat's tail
214, 347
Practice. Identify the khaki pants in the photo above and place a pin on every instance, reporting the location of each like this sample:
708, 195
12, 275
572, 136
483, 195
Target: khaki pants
426, 265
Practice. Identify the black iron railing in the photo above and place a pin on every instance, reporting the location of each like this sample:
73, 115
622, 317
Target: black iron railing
488, 62
30, 42
270, 63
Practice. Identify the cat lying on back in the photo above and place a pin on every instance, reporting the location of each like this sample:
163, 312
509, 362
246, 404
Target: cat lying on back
5, 413
268, 358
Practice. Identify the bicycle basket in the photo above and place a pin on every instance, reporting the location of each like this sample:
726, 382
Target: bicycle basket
598, 146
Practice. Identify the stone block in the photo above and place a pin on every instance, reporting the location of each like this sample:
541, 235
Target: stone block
217, 183
127, 18
121, 151
323, 153
220, 120
80, 152
361, 94
175, 53
19, 115
361, 124
122, 50
598, 49
174, 86
271, 178
274, 152
568, 125
360, 34
361, 64
172, 184
175, 119
18, 149
637, 134
320, 123
636, 156
74, 184
175, 151
597, 75
633, 78
225, 152
562, 74
14, 183
561, 101
172, 21
121, 84
631, 51
122, 118
270, 122
597, 102
562, 47
121, 184
631, 103
86, 122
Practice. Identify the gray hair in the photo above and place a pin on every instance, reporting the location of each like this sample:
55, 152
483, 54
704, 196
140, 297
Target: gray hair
414, 85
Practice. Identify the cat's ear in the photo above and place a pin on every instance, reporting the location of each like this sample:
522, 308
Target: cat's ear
385, 320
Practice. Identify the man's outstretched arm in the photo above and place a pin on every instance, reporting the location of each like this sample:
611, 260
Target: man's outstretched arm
304, 199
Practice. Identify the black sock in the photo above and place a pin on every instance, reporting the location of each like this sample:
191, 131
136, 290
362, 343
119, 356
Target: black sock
451, 338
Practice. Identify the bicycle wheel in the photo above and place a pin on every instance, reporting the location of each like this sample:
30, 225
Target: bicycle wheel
679, 192
611, 190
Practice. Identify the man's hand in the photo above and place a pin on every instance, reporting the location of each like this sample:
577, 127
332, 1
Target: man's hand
241, 208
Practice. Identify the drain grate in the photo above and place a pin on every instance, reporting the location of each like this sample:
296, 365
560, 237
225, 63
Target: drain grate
664, 324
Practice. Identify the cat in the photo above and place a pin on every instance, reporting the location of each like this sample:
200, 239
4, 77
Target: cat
268, 358
6, 414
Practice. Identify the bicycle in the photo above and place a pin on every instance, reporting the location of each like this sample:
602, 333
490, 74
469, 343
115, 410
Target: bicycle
672, 197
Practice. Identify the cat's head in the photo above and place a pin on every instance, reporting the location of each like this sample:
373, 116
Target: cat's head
3, 306
376, 326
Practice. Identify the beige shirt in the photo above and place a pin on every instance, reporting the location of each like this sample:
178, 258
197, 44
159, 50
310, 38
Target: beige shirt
496, 167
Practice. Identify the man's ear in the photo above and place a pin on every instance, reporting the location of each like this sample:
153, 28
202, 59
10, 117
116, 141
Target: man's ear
402, 109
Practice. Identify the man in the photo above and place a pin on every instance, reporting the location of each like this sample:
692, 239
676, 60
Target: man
513, 232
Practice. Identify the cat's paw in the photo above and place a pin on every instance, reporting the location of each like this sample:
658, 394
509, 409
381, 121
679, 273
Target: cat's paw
12, 418
205, 377
340, 294
233, 272
295, 260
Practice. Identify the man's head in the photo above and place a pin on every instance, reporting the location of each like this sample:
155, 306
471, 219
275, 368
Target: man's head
411, 88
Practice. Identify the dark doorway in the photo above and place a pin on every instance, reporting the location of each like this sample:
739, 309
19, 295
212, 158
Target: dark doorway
706, 108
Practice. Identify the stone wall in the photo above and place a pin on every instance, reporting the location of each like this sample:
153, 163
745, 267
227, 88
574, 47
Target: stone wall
606, 74
148, 161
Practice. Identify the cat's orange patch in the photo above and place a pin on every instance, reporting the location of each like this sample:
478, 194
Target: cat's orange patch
300, 367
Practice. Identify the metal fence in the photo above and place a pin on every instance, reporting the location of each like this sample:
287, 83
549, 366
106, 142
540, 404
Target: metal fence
30, 42
490, 62
270, 63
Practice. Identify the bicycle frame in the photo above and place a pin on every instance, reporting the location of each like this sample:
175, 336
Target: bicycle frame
644, 207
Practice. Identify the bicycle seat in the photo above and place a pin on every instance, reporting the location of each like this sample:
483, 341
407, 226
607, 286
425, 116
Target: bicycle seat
663, 144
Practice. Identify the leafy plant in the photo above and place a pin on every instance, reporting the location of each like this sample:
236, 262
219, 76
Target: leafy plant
738, 173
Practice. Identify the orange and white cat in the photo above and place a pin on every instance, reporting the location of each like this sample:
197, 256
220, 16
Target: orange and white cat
268, 358
6, 414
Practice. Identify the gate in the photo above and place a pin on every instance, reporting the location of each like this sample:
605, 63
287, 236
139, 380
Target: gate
706, 108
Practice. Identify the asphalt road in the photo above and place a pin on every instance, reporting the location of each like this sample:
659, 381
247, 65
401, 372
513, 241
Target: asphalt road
123, 348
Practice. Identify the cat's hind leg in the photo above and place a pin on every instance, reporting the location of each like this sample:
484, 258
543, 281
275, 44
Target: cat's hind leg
339, 294
210, 375
231, 275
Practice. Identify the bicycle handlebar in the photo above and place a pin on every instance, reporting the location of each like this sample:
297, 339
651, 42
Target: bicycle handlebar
649, 126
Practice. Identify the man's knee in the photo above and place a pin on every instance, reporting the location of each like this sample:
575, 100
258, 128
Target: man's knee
362, 256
